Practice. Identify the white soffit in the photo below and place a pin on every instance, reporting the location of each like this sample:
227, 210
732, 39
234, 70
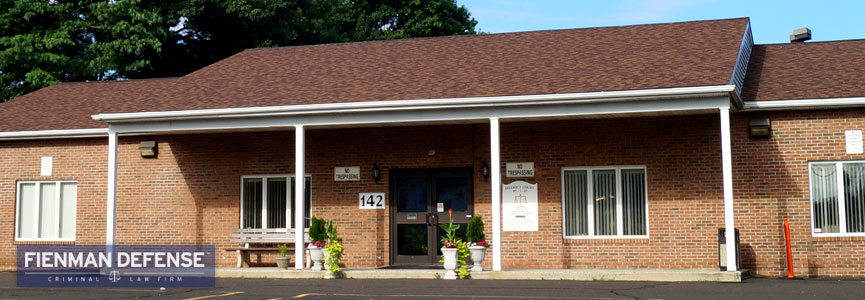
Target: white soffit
420, 104
54, 134
803, 103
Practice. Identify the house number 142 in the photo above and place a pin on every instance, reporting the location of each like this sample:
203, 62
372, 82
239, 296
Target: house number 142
371, 201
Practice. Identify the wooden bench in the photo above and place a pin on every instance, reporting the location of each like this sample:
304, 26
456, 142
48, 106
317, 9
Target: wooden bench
253, 236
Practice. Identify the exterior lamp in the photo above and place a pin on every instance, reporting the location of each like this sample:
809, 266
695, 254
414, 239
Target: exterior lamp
376, 173
485, 171
148, 149
759, 128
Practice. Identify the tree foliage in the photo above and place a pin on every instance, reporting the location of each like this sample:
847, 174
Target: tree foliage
44, 42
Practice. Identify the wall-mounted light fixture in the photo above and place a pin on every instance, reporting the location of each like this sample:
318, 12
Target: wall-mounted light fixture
148, 149
376, 173
485, 171
759, 128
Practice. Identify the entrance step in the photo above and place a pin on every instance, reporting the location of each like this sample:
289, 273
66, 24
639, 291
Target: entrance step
665, 275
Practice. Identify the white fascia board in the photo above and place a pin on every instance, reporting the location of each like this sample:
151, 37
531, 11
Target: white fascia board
54, 134
368, 106
558, 109
803, 103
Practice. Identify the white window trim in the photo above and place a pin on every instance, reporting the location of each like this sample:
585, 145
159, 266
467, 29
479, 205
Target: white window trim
839, 181
288, 207
590, 206
36, 220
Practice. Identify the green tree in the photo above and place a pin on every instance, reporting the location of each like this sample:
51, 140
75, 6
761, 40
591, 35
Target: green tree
44, 42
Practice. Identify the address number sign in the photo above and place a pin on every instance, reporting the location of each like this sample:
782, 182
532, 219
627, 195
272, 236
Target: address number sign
371, 201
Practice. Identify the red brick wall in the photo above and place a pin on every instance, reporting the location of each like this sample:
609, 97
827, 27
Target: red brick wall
82, 160
771, 182
683, 165
190, 194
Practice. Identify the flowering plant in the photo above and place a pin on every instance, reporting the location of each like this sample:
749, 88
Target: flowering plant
482, 243
450, 239
317, 244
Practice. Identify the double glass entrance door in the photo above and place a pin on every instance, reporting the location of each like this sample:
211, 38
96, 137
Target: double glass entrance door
421, 200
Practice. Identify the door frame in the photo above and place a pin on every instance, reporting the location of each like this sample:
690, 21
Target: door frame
430, 172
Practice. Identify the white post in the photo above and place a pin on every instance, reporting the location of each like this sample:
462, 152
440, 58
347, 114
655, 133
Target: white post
496, 182
110, 207
727, 166
298, 196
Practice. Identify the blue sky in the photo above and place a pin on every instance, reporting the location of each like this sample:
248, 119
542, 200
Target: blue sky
771, 21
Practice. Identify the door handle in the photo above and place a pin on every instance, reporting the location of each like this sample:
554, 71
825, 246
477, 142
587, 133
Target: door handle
435, 219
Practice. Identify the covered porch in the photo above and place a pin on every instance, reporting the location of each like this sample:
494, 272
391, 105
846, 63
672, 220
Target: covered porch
307, 142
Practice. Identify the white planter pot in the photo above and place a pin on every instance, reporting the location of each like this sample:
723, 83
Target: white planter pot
315, 254
478, 253
282, 262
450, 255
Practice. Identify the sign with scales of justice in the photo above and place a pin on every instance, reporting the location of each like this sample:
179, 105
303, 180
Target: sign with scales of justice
520, 206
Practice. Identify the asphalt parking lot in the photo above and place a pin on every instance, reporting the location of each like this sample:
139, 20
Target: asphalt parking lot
227, 289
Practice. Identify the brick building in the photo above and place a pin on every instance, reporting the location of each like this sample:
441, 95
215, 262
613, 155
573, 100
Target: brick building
638, 138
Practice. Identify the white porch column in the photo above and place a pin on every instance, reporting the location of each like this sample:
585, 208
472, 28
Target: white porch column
110, 207
727, 166
496, 182
298, 196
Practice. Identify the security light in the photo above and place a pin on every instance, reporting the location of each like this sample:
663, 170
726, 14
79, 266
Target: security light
148, 149
759, 128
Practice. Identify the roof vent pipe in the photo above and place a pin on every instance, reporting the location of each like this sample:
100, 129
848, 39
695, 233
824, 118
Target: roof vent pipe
800, 35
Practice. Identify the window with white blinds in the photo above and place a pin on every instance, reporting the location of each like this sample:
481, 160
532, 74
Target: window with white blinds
604, 202
267, 201
45, 211
837, 198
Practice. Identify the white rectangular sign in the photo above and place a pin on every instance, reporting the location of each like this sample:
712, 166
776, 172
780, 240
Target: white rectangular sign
47, 166
520, 169
346, 173
854, 141
372, 201
520, 206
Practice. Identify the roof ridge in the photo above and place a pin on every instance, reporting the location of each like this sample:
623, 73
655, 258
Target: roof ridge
486, 34
113, 81
814, 42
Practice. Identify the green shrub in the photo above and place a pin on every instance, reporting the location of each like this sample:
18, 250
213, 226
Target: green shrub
283, 250
475, 232
316, 230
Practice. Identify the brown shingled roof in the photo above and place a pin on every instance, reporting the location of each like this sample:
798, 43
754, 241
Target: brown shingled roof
698, 53
811, 70
70, 105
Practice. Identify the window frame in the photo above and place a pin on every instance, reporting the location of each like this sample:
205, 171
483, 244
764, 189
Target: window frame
841, 198
37, 219
289, 209
619, 207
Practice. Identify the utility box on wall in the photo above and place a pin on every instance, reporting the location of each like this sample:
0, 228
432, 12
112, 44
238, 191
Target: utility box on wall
722, 249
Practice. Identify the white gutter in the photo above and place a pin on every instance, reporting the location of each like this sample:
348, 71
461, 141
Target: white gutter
368, 106
803, 103
54, 134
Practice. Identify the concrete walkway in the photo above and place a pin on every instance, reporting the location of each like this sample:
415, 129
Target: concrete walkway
663, 275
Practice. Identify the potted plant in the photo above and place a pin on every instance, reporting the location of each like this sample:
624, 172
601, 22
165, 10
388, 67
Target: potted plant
454, 251
317, 238
332, 253
282, 260
477, 243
